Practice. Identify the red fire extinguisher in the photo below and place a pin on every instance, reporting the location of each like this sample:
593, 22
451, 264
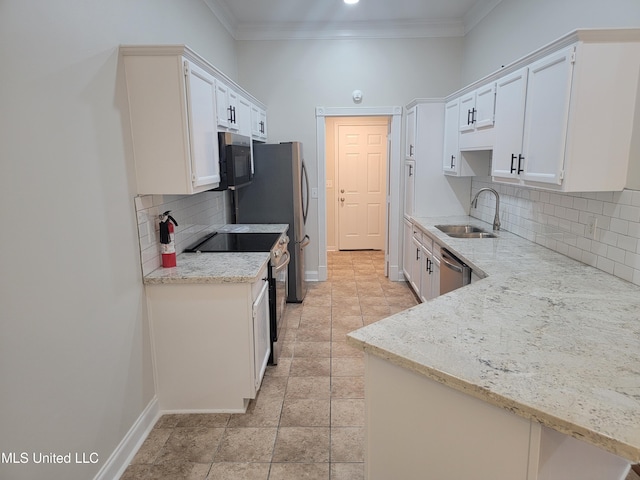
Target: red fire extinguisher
167, 239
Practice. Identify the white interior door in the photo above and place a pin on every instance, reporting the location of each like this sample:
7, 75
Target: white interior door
361, 192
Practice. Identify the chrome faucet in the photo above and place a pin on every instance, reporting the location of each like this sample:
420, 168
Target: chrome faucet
496, 219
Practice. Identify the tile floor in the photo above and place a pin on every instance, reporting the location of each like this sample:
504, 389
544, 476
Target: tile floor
307, 421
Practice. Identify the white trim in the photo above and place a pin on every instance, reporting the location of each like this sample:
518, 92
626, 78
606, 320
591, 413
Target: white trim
119, 460
394, 170
315, 30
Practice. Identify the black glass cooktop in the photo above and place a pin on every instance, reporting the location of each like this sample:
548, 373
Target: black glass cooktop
236, 242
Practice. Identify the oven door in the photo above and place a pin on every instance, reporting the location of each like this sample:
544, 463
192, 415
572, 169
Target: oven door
277, 300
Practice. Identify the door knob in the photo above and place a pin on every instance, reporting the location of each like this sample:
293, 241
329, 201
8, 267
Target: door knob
342, 199
342, 190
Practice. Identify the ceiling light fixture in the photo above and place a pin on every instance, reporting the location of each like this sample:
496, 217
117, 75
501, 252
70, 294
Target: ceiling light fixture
351, 2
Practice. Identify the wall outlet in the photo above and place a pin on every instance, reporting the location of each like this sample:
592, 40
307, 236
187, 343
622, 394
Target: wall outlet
592, 222
314, 192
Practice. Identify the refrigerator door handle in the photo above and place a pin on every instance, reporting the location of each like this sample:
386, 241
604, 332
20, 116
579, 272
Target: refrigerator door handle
305, 241
305, 197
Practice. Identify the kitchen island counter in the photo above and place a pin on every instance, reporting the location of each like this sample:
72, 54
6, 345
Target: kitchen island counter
543, 336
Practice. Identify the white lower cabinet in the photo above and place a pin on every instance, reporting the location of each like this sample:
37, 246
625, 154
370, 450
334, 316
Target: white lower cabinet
421, 262
210, 344
407, 250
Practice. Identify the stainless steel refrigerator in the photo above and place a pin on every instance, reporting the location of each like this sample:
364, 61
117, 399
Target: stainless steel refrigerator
279, 193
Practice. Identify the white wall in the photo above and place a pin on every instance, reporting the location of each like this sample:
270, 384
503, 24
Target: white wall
75, 366
517, 27
294, 77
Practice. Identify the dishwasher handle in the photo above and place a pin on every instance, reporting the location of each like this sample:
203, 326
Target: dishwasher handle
452, 266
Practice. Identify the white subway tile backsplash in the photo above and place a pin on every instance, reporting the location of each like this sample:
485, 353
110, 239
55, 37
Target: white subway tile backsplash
560, 222
195, 214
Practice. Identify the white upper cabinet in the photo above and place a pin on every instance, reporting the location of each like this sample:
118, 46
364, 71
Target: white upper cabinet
477, 118
531, 115
175, 102
227, 100
451, 159
203, 134
258, 123
411, 121
172, 112
565, 120
244, 116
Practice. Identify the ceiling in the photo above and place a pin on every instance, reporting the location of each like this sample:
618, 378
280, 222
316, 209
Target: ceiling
287, 19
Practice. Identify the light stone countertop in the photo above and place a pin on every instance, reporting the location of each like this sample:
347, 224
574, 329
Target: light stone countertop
218, 267
544, 336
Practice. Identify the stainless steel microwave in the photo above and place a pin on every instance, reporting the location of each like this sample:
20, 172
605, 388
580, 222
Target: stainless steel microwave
236, 166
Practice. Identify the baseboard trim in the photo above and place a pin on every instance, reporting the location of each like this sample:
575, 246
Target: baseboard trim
119, 460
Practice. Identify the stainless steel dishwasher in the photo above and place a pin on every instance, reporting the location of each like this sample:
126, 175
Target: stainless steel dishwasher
454, 273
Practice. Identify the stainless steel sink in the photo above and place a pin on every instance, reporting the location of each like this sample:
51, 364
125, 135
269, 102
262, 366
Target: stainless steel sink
465, 231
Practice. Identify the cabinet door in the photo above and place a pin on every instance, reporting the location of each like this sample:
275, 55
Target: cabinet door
485, 106
224, 110
258, 123
425, 274
450, 160
407, 250
546, 117
243, 117
416, 262
201, 105
466, 112
509, 124
261, 343
410, 134
409, 186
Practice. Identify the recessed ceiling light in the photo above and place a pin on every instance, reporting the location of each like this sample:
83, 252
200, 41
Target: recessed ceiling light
351, 2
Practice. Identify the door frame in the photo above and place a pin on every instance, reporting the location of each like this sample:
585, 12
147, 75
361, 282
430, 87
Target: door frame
392, 252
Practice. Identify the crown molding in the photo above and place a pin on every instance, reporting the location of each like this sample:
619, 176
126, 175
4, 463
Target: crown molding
224, 15
480, 9
342, 30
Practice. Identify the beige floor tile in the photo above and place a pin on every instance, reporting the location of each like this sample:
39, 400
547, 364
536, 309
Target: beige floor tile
191, 444
299, 471
302, 444
264, 411
179, 469
347, 322
344, 349
347, 387
312, 349
137, 472
204, 420
310, 367
347, 444
309, 387
347, 367
246, 445
305, 412
280, 370
347, 412
346, 310
152, 445
347, 471
311, 334
239, 471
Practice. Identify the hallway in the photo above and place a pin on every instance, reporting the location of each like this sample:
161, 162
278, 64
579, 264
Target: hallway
308, 419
